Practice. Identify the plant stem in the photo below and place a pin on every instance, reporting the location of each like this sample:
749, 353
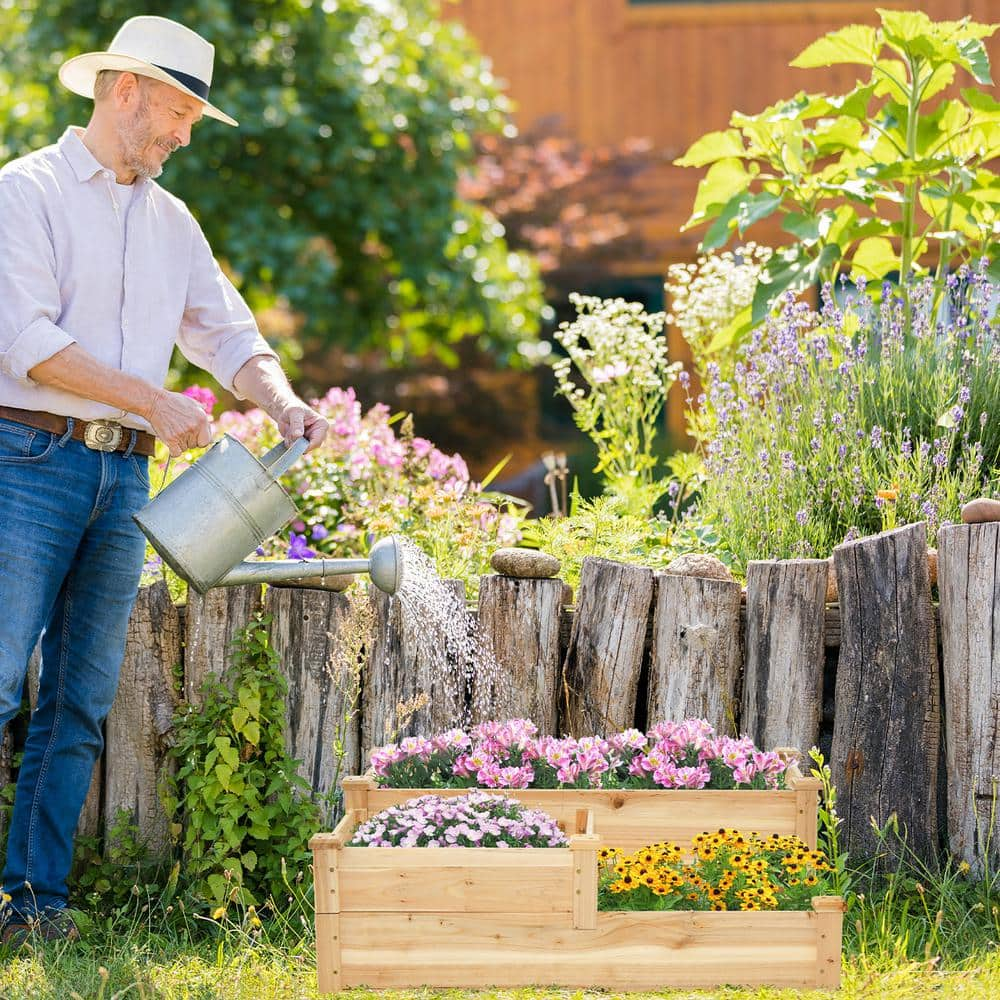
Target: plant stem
910, 190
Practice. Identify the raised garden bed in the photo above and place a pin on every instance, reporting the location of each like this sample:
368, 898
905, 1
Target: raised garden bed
629, 819
472, 917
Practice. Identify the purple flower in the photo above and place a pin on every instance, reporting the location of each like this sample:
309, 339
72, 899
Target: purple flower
319, 532
297, 548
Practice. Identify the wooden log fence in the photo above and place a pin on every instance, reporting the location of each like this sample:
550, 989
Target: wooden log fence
638, 647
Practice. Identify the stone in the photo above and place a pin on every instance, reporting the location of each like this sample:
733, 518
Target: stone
528, 564
700, 564
980, 510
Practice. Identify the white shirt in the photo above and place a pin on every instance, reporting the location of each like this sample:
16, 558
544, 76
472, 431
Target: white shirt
126, 280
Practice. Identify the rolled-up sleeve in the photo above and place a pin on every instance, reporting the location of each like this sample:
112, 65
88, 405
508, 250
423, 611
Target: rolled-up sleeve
218, 331
29, 291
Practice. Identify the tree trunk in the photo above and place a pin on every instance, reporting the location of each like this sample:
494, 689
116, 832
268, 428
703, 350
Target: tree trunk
970, 640
886, 725
695, 666
519, 621
785, 653
324, 691
141, 720
606, 646
211, 622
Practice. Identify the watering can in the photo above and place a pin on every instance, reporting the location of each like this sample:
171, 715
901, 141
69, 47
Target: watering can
224, 505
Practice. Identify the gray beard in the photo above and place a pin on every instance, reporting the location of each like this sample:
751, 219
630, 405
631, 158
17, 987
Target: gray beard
135, 135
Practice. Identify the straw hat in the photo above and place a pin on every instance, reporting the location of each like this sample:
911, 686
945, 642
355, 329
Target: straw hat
155, 47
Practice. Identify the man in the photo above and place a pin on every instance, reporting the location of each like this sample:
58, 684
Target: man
101, 272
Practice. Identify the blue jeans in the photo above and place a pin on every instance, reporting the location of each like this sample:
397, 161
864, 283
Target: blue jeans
70, 559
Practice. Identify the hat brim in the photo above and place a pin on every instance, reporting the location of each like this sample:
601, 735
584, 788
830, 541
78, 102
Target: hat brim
80, 73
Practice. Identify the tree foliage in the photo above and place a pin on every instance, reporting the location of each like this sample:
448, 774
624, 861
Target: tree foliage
338, 192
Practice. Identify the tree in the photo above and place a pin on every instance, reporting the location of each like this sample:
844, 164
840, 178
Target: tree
337, 194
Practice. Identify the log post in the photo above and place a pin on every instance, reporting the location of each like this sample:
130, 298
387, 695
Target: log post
211, 622
141, 719
415, 677
695, 667
324, 692
785, 653
605, 654
519, 621
969, 585
886, 723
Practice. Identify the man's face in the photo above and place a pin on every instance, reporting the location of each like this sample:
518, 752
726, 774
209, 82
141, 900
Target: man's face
156, 121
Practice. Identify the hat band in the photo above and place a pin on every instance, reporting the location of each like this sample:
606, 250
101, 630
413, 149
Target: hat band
196, 86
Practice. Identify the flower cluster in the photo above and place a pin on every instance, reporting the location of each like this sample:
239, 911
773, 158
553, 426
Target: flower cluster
841, 422
373, 478
474, 820
511, 754
727, 870
620, 353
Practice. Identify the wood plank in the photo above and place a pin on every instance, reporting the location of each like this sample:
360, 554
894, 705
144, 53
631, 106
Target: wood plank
626, 950
604, 658
328, 974
969, 585
211, 622
830, 940
886, 722
785, 655
322, 709
139, 726
629, 820
519, 621
696, 657
412, 663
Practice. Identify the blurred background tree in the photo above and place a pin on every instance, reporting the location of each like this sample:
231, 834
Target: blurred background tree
334, 205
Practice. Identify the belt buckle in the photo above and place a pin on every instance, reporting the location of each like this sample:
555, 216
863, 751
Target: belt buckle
102, 435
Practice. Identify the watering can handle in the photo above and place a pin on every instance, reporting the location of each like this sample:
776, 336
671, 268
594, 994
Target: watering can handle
282, 457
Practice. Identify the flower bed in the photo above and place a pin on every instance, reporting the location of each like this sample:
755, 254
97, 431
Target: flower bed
472, 917
671, 783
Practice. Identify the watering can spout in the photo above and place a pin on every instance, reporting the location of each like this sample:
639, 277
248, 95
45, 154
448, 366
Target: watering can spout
384, 565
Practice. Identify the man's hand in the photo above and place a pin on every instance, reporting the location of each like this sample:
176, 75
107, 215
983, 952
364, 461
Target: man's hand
179, 422
262, 380
298, 420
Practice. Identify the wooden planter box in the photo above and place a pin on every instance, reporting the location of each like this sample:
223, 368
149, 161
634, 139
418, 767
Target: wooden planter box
477, 917
629, 820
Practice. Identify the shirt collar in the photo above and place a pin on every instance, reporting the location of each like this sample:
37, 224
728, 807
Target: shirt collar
85, 165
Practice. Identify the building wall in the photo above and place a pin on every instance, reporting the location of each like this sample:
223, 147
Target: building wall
671, 72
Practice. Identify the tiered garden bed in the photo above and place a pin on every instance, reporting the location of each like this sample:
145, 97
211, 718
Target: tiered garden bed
472, 917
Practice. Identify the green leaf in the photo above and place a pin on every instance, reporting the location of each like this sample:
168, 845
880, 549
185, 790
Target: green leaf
875, 257
756, 207
217, 886
802, 227
856, 43
903, 26
723, 180
239, 717
975, 59
733, 333
790, 271
252, 732
941, 78
223, 773
712, 147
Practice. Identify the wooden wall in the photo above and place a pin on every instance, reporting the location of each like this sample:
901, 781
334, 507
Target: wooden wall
667, 71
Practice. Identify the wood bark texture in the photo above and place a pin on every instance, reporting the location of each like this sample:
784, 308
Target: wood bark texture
139, 727
605, 654
696, 656
969, 585
519, 622
211, 622
324, 698
886, 724
785, 653
416, 676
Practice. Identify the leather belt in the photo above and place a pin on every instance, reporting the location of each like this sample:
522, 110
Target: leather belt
99, 435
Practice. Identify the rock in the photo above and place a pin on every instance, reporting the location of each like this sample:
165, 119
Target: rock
528, 564
980, 510
700, 564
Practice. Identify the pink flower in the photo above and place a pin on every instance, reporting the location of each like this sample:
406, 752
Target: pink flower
203, 396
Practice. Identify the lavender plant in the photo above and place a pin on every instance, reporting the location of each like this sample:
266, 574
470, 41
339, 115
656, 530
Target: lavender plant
474, 820
839, 422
